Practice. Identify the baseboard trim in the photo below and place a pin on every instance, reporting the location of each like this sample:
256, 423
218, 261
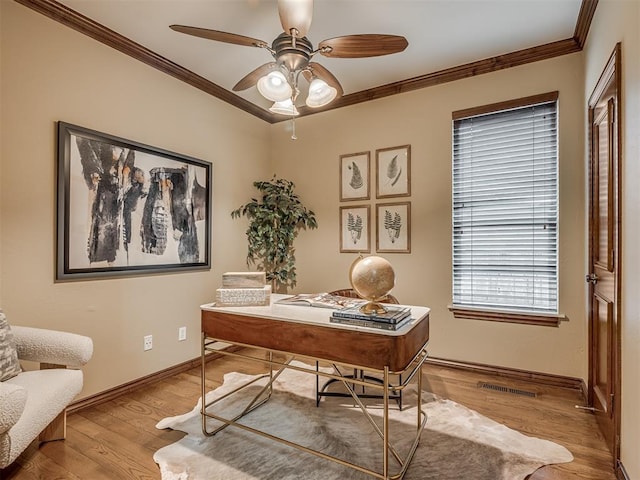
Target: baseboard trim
621, 473
506, 372
584, 390
129, 387
513, 373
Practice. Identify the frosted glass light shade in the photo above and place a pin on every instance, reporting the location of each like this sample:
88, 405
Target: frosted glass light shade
320, 93
285, 107
274, 87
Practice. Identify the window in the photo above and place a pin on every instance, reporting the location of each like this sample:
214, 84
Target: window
505, 211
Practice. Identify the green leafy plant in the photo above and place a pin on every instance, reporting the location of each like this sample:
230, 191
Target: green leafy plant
274, 223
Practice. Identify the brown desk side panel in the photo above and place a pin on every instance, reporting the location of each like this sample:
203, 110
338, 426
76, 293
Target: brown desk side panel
354, 347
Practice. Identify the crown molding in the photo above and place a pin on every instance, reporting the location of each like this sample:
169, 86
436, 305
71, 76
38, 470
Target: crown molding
488, 65
85, 25
583, 24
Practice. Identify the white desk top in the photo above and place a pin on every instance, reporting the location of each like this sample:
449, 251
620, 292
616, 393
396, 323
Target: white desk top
314, 315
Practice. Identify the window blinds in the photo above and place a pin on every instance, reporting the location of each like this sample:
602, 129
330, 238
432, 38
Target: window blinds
505, 210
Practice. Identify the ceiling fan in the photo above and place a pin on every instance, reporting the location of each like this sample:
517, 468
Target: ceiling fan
292, 51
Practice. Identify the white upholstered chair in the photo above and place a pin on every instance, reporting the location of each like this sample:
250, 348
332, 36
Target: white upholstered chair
33, 403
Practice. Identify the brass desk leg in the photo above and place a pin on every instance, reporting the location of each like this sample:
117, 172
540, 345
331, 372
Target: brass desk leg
385, 426
419, 409
349, 383
203, 378
260, 398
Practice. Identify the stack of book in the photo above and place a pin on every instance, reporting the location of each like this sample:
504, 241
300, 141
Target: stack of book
395, 317
243, 289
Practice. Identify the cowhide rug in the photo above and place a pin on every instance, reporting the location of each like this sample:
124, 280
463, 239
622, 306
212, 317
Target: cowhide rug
458, 443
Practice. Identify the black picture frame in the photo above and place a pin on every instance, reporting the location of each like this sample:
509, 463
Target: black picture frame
125, 208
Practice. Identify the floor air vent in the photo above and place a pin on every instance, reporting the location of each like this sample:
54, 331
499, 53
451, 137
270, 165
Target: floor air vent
500, 388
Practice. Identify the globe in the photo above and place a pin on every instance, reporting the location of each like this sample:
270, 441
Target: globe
372, 278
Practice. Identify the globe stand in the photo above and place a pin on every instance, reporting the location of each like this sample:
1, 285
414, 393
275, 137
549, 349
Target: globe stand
372, 278
373, 308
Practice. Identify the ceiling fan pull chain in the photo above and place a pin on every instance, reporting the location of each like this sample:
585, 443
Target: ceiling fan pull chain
293, 128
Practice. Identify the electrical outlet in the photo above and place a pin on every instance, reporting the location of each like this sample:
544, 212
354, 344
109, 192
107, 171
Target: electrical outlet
148, 342
182, 334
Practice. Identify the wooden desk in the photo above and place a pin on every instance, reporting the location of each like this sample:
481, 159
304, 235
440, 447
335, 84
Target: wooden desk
306, 332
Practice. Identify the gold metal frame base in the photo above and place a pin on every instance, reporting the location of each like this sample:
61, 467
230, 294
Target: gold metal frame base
414, 369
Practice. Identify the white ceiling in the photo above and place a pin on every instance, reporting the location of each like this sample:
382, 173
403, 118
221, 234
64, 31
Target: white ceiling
441, 33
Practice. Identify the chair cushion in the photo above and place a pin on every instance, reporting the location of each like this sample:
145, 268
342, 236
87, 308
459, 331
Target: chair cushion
13, 399
9, 364
49, 392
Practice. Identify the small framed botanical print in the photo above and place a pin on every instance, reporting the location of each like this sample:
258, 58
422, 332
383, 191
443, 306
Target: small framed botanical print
354, 176
393, 172
393, 227
354, 229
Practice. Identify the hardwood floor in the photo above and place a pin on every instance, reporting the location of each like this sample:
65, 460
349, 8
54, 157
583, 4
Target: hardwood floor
550, 415
117, 439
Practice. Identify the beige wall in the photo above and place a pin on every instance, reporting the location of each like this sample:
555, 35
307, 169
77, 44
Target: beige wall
423, 119
618, 21
51, 73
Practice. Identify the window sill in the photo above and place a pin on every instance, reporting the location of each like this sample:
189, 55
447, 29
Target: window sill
545, 320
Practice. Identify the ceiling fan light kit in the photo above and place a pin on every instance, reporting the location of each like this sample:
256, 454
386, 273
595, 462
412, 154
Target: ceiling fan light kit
292, 51
320, 93
274, 86
285, 107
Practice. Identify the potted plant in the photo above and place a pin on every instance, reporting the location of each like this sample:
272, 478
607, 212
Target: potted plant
274, 223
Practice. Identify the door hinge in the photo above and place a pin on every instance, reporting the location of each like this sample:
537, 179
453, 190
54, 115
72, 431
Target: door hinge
612, 405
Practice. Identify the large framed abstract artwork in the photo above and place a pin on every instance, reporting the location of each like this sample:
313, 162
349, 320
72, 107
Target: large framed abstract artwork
126, 208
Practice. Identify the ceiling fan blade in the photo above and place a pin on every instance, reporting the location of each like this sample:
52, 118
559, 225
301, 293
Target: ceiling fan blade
219, 36
324, 74
295, 14
363, 45
252, 78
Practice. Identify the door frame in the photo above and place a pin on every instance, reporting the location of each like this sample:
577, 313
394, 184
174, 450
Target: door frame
612, 74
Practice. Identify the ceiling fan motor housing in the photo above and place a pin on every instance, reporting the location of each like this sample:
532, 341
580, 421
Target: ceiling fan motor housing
294, 53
